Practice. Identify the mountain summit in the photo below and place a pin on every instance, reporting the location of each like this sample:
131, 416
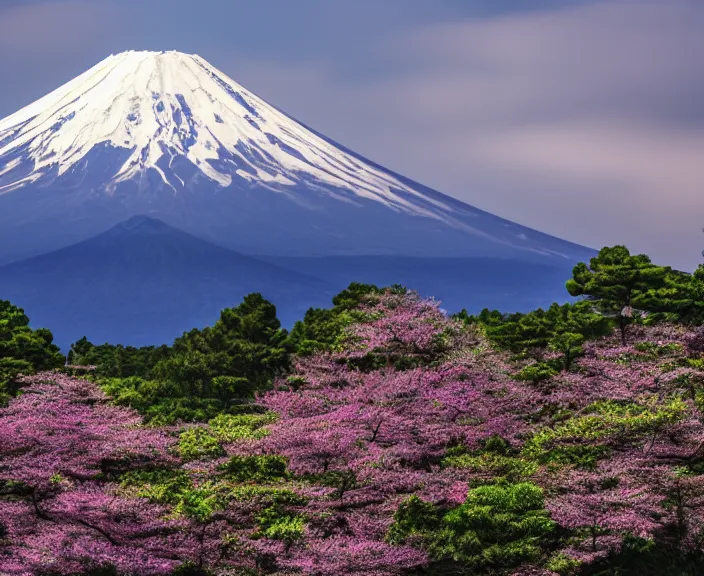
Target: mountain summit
164, 105
167, 134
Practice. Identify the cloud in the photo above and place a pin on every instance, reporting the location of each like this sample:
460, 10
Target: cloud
50, 29
44, 44
585, 122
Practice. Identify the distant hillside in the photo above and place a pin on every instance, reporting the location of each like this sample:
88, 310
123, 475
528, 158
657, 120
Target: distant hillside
144, 282
472, 283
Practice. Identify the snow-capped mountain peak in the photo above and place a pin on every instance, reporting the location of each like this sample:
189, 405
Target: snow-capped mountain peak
168, 135
164, 105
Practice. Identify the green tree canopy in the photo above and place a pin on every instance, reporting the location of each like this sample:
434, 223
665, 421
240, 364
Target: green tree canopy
117, 361
498, 527
205, 372
618, 282
22, 349
540, 328
242, 352
681, 299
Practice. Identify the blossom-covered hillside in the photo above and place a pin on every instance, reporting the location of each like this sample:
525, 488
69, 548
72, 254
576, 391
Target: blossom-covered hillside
411, 444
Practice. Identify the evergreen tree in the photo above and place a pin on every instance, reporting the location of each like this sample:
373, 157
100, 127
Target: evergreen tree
618, 282
538, 329
117, 361
242, 352
682, 298
498, 527
22, 349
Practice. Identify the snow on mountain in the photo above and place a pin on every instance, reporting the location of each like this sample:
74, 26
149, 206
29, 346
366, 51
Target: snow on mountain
168, 104
166, 134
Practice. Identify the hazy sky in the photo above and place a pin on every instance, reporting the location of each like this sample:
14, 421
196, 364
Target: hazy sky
583, 119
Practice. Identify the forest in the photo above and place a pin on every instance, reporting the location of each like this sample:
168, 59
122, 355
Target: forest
381, 436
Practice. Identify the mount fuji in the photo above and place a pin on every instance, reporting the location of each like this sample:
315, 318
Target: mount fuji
166, 135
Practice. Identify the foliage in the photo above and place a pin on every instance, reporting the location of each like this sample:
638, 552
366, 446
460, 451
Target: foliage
198, 443
561, 327
496, 528
383, 437
117, 361
695, 342
583, 439
494, 462
681, 299
274, 525
229, 427
160, 485
265, 468
60, 444
203, 374
22, 349
617, 281
536, 372
241, 353
322, 329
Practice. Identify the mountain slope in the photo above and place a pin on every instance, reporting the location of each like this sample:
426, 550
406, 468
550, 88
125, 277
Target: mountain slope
166, 134
471, 283
144, 282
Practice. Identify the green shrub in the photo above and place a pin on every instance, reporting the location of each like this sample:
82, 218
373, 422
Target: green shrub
654, 350
23, 350
495, 460
162, 486
585, 439
278, 525
414, 520
537, 372
229, 427
267, 495
199, 503
498, 527
563, 565
198, 444
268, 468
492, 466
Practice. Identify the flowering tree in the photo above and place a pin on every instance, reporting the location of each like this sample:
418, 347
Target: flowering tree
410, 444
58, 441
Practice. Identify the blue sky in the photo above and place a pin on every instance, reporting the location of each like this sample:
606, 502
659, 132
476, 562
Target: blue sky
584, 119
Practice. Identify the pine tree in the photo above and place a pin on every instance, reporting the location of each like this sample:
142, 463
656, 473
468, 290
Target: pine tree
618, 282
